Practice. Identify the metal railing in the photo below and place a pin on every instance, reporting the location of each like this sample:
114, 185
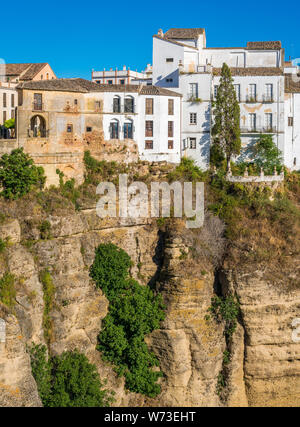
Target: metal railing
258, 129
123, 109
251, 98
37, 106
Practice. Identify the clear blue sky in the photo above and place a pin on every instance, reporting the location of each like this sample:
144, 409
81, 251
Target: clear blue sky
75, 37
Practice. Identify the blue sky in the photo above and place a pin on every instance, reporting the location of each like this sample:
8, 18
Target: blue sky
75, 37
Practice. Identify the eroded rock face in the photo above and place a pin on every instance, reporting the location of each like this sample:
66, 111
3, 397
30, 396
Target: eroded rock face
17, 386
271, 358
264, 367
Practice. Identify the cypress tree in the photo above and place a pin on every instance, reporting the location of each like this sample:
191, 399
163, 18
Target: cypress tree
226, 112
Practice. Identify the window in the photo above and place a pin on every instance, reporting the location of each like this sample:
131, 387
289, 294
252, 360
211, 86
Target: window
122, 82
42, 76
75, 101
129, 105
170, 129
193, 118
268, 121
252, 121
114, 130
69, 128
4, 116
169, 80
89, 129
149, 105
149, 128
12, 114
290, 121
128, 131
269, 92
12, 100
4, 100
215, 91
116, 104
149, 145
193, 143
295, 161
169, 59
252, 92
194, 90
37, 101
110, 82
47, 76
97, 105
170, 107
238, 92
170, 145
98, 81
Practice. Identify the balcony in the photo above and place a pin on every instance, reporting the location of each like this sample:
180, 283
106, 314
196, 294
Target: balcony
124, 109
193, 98
37, 106
268, 98
259, 129
251, 99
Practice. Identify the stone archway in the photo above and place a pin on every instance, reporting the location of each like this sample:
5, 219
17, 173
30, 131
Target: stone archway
38, 127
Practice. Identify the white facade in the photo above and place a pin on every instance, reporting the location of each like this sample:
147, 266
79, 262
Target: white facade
156, 130
114, 77
182, 62
8, 102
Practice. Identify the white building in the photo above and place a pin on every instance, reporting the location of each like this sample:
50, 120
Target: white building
122, 77
183, 63
146, 114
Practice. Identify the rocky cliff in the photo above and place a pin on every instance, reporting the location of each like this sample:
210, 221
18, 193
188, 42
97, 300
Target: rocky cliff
188, 268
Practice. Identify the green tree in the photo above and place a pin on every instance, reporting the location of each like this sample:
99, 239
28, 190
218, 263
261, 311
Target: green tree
226, 128
134, 311
19, 175
266, 154
9, 124
67, 380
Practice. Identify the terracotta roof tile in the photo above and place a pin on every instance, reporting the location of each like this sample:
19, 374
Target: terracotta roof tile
184, 33
32, 71
292, 83
264, 45
85, 86
15, 69
252, 71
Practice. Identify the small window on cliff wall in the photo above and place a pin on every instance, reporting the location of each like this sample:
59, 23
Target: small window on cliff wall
75, 101
70, 128
89, 129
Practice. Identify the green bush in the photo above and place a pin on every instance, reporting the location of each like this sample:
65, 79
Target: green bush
2, 245
68, 189
48, 296
188, 171
19, 175
68, 380
134, 312
45, 230
7, 290
225, 309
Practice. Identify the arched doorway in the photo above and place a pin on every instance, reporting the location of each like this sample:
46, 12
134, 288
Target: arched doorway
38, 127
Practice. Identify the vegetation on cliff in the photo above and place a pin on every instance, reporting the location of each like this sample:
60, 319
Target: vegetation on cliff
134, 311
67, 380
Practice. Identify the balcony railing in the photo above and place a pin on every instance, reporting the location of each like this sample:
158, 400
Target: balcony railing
123, 109
251, 98
268, 98
37, 106
259, 129
193, 98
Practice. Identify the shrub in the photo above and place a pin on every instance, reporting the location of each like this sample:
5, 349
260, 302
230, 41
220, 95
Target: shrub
187, 170
48, 296
68, 189
134, 311
225, 309
45, 230
19, 175
7, 290
68, 380
2, 245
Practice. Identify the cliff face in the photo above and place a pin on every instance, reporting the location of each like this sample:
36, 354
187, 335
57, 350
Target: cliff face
264, 368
